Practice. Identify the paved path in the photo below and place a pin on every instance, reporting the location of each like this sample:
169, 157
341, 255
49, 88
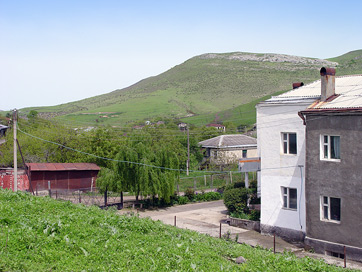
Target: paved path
205, 217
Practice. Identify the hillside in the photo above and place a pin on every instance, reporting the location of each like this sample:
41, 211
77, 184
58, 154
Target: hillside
43, 234
201, 87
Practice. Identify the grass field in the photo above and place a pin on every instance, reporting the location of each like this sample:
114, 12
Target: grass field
42, 234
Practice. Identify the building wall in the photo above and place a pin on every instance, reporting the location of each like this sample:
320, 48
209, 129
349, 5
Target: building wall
340, 179
63, 180
7, 179
222, 156
281, 170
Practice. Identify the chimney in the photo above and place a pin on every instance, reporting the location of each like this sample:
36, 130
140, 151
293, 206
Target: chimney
297, 85
328, 80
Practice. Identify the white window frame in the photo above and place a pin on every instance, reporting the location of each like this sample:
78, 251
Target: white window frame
287, 141
286, 198
327, 146
327, 206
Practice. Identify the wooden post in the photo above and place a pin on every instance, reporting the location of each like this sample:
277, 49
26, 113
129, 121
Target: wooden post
56, 194
205, 180
174, 222
212, 181
105, 198
231, 177
178, 189
345, 257
220, 231
80, 198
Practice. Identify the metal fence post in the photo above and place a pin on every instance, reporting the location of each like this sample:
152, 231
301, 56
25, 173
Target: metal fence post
205, 180
345, 257
49, 189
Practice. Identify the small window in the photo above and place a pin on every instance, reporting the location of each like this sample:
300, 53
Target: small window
331, 208
245, 153
330, 147
289, 143
289, 198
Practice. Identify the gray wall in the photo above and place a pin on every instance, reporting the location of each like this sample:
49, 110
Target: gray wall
336, 179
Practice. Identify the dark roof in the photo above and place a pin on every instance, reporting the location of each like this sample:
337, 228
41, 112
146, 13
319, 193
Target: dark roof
62, 166
232, 140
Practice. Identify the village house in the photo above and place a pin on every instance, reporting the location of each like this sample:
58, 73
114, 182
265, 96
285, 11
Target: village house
333, 187
217, 126
309, 142
227, 149
281, 140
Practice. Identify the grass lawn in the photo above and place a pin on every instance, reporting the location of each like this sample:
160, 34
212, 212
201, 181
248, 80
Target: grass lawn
42, 234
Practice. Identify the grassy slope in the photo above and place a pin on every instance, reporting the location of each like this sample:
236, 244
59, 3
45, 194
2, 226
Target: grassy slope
42, 234
204, 85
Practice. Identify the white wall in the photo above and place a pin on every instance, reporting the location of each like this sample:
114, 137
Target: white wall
278, 169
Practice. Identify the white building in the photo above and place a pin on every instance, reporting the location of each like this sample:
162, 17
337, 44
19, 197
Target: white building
281, 147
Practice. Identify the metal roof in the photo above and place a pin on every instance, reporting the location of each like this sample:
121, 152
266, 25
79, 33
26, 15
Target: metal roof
232, 140
348, 90
62, 166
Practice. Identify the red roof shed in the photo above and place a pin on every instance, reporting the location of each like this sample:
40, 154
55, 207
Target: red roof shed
63, 176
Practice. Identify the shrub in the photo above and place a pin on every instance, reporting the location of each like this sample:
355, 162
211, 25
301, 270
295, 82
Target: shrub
236, 199
182, 200
209, 196
190, 194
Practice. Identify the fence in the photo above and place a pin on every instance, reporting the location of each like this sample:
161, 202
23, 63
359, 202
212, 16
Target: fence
210, 182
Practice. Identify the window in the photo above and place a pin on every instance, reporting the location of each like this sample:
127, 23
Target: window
289, 198
245, 153
330, 208
330, 147
289, 143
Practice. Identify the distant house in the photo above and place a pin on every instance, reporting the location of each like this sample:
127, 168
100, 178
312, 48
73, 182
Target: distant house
333, 172
217, 126
63, 176
3, 130
182, 126
227, 149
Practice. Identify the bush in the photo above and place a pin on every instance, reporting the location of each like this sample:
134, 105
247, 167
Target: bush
190, 194
236, 199
209, 196
182, 200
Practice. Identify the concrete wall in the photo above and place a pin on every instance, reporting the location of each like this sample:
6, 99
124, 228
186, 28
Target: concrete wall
230, 155
342, 179
278, 169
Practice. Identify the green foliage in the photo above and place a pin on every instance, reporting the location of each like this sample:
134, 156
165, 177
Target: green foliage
236, 199
189, 193
209, 196
59, 236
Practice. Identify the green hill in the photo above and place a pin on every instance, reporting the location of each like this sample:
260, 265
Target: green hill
203, 88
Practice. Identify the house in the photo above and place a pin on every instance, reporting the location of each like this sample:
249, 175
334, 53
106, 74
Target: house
3, 130
281, 148
227, 149
62, 176
182, 126
333, 171
217, 126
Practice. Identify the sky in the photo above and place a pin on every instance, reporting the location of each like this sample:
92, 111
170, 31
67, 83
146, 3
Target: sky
54, 52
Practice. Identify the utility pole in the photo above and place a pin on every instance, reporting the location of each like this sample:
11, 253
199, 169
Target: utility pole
188, 151
15, 153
